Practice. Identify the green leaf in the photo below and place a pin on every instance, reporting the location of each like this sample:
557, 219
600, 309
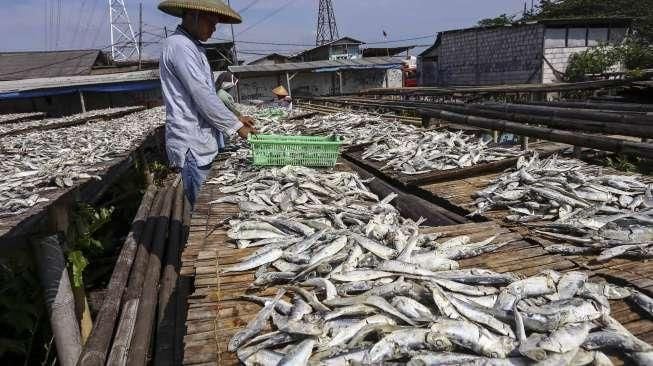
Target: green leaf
77, 262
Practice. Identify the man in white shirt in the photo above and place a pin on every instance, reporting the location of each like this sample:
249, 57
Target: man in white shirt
197, 121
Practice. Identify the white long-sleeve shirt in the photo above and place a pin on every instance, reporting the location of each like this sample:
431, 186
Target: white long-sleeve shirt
196, 119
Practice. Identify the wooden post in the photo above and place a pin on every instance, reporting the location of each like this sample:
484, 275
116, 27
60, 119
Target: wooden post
495, 136
289, 87
426, 122
524, 142
81, 101
339, 73
59, 299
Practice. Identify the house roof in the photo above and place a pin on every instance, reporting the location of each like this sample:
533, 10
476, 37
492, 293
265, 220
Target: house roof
382, 51
319, 66
271, 55
340, 40
32, 65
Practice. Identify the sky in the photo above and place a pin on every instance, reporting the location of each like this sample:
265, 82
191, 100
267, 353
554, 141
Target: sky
83, 24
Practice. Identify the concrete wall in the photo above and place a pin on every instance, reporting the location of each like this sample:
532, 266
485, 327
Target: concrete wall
490, 56
320, 83
561, 43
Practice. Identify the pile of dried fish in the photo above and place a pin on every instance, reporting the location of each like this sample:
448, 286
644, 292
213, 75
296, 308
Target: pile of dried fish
607, 214
7, 128
366, 287
266, 115
402, 148
419, 151
35, 163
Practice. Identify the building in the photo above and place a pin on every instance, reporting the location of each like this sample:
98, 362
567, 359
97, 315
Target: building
345, 48
67, 82
523, 53
33, 65
271, 59
385, 51
318, 78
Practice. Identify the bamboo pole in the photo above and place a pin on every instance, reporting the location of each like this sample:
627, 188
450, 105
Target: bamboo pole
97, 346
143, 328
169, 292
625, 107
184, 288
59, 299
571, 138
125, 328
546, 111
552, 121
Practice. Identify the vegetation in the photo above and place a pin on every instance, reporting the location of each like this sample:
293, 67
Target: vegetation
86, 224
503, 19
630, 164
633, 55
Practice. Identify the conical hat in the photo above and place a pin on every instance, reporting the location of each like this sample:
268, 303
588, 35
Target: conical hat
280, 91
218, 7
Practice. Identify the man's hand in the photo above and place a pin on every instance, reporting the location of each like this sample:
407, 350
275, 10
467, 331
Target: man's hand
247, 121
245, 131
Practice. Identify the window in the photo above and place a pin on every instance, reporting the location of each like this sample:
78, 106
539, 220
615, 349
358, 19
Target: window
597, 36
577, 37
555, 37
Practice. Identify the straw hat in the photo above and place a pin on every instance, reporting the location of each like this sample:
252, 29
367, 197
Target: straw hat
177, 7
280, 91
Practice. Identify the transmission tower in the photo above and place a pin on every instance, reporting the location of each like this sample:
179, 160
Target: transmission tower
327, 29
123, 40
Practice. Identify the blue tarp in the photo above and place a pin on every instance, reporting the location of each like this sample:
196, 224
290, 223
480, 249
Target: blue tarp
98, 88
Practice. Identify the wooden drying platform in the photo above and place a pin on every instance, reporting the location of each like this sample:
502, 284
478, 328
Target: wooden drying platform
21, 117
75, 121
526, 257
15, 230
213, 310
411, 181
457, 195
215, 313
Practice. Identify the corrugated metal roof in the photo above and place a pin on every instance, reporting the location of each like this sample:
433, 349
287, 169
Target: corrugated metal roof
366, 62
33, 65
14, 86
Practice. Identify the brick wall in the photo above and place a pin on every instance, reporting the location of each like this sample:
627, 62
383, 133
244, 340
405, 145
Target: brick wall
506, 55
558, 58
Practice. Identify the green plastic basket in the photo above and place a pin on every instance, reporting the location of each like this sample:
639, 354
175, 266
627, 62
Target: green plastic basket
295, 150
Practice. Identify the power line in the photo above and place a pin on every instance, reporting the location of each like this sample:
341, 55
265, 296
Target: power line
265, 18
248, 6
